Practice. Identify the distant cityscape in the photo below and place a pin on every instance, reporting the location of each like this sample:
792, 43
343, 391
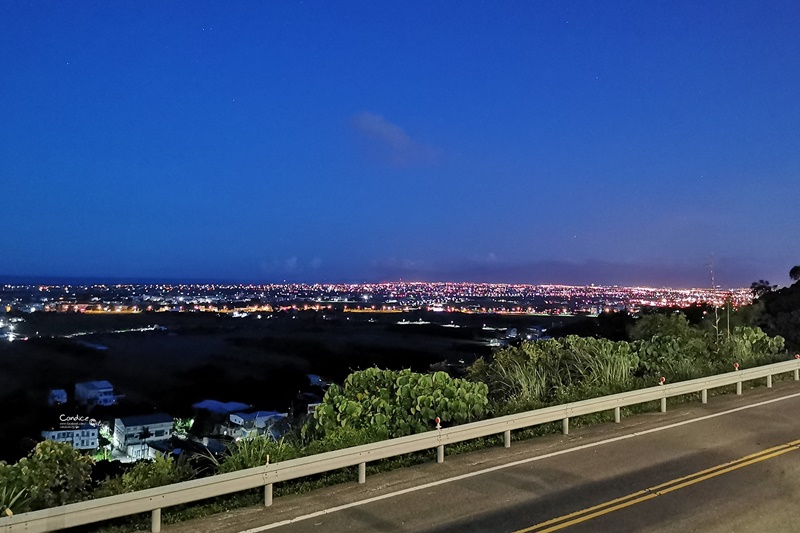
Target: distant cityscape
388, 297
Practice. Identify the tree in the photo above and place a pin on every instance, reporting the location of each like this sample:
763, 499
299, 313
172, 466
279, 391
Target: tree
675, 325
794, 273
761, 287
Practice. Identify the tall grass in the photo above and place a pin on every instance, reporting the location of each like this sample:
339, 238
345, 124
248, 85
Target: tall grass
552, 371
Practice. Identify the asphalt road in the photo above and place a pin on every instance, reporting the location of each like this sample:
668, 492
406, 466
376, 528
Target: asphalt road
730, 465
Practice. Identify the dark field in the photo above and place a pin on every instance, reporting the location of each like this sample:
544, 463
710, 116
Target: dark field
262, 362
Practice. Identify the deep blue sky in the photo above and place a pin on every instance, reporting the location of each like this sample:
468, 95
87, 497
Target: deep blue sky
572, 142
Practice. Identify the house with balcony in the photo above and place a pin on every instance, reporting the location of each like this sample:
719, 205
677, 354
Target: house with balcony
84, 437
256, 423
132, 434
92, 393
212, 416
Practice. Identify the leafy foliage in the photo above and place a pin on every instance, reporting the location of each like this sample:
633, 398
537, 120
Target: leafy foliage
254, 451
339, 438
675, 325
395, 403
549, 372
749, 347
778, 313
542, 372
147, 475
11, 498
53, 474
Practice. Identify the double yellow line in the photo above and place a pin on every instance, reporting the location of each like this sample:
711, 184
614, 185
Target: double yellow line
648, 494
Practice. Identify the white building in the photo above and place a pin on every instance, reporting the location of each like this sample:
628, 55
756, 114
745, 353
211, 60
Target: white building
258, 423
83, 438
91, 393
57, 397
132, 433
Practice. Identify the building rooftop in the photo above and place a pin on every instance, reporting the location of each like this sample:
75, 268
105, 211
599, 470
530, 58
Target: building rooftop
222, 408
145, 420
259, 414
97, 385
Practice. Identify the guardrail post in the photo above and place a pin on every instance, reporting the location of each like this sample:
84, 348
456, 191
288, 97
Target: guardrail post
769, 382
440, 453
739, 387
565, 426
664, 404
268, 495
617, 415
507, 438
704, 396
155, 521
796, 374
362, 472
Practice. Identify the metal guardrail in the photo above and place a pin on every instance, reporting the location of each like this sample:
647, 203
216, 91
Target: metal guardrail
153, 500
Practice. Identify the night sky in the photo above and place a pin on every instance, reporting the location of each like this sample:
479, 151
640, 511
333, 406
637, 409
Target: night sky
531, 141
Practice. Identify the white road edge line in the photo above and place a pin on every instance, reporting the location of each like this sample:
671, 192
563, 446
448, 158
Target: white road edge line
513, 464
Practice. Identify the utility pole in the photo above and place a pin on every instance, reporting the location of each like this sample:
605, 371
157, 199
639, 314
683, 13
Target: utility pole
730, 304
716, 309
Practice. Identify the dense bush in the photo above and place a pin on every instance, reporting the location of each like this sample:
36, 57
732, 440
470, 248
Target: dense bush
254, 451
147, 475
778, 313
672, 325
395, 403
548, 372
51, 475
341, 437
749, 347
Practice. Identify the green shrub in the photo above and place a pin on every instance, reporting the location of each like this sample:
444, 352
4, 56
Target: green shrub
749, 347
674, 325
555, 371
251, 452
156, 473
543, 372
340, 438
395, 403
676, 358
53, 474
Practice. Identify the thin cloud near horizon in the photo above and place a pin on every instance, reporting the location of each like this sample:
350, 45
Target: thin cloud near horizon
390, 142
